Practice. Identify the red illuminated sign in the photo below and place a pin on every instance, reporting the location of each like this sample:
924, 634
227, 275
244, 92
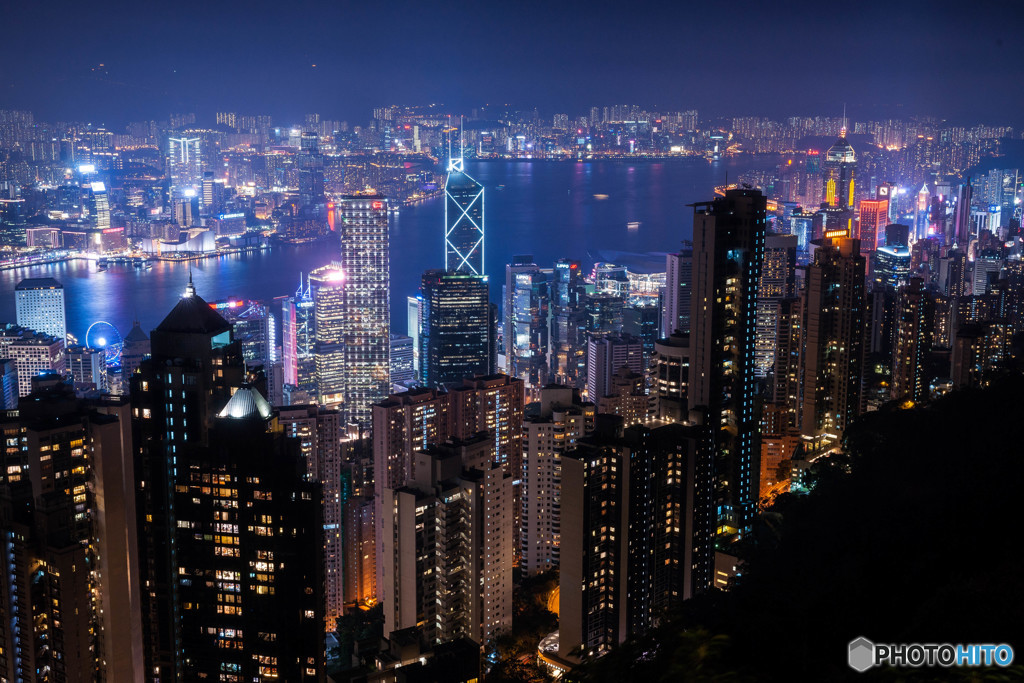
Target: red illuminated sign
378, 205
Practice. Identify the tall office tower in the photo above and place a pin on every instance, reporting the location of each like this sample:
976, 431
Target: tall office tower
953, 273
891, 266
402, 370
728, 249
678, 283
134, 350
254, 328
605, 355
528, 328
414, 320
914, 329
834, 338
602, 314
566, 343
610, 278
298, 344
327, 286
318, 431
88, 369
669, 375
520, 264
874, 216
184, 164
922, 211
311, 170
224, 595
8, 384
101, 205
33, 354
619, 572
39, 306
641, 318
456, 334
552, 426
840, 168
778, 281
210, 195
70, 598
366, 324
463, 220
962, 218
448, 545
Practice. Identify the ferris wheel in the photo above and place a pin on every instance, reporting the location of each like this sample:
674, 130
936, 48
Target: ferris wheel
103, 335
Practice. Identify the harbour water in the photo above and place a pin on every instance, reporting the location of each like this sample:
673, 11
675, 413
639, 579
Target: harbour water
547, 209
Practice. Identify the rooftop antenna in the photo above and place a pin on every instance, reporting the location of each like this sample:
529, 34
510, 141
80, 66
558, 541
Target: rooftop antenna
449, 142
462, 142
842, 133
190, 289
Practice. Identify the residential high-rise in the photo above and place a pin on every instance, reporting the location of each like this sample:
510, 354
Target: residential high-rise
835, 317
678, 284
448, 545
224, 514
914, 329
366, 322
456, 332
463, 220
327, 289
318, 431
669, 375
70, 595
619, 572
962, 231
840, 167
39, 306
728, 250
552, 426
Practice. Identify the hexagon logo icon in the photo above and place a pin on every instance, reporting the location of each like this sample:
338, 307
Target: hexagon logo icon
861, 654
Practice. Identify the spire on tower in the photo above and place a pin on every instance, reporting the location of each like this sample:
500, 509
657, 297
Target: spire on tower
190, 290
842, 131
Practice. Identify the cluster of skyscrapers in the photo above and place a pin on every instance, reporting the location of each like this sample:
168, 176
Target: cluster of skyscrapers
213, 510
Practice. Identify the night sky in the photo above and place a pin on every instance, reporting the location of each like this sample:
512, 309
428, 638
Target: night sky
958, 60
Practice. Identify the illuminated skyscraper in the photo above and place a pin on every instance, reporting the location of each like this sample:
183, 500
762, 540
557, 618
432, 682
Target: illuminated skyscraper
455, 337
366, 321
874, 216
463, 220
678, 283
184, 164
921, 211
840, 168
728, 250
298, 331
914, 330
567, 343
327, 287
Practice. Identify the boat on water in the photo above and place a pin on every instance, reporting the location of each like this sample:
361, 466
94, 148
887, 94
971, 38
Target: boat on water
633, 225
600, 196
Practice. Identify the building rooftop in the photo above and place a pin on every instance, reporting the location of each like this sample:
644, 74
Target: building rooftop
246, 402
193, 314
38, 283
